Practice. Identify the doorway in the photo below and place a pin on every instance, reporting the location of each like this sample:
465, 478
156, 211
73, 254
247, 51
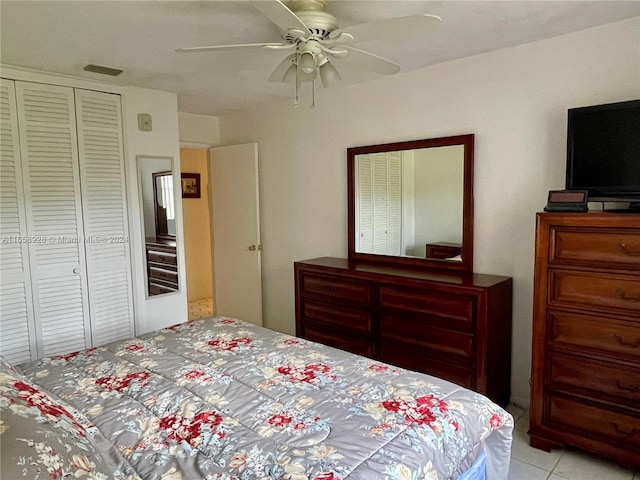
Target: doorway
196, 217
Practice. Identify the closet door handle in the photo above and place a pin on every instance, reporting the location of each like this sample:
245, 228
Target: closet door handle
76, 270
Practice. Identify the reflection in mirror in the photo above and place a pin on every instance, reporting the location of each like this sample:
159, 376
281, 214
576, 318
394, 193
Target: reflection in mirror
156, 183
391, 187
165, 215
412, 202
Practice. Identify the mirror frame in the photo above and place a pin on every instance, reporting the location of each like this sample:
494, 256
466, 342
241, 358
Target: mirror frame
466, 265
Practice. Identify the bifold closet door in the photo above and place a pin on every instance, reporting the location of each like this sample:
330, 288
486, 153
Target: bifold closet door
105, 215
17, 328
49, 150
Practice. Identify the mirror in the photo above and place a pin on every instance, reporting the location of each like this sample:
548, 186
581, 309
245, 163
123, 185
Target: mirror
156, 183
411, 203
163, 205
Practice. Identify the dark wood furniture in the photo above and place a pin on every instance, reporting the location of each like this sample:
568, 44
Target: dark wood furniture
585, 388
455, 326
443, 250
162, 266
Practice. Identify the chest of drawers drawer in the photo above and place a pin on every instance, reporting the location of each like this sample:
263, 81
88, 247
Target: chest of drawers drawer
425, 339
594, 334
595, 379
430, 307
592, 420
340, 317
618, 293
605, 247
165, 258
336, 288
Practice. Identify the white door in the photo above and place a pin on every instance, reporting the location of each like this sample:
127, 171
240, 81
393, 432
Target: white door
235, 225
104, 208
49, 149
17, 328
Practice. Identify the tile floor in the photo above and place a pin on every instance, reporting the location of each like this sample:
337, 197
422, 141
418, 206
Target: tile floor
529, 463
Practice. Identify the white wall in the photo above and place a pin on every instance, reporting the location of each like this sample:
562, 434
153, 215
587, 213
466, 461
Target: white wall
514, 101
159, 311
198, 131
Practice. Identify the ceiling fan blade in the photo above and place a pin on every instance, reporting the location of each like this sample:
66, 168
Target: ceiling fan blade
240, 46
389, 29
371, 61
280, 71
280, 14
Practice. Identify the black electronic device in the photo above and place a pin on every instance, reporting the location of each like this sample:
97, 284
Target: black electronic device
567, 201
603, 151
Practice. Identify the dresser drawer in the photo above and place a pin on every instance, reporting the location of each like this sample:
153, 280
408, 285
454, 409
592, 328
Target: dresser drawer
162, 257
451, 311
163, 274
157, 288
619, 293
397, 354
595, 376
600, 248
336, 287
343, 342
338, 316
428, 338
591, 420
593, 334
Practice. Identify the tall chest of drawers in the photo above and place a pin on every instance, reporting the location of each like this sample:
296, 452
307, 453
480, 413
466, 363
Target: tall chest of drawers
585, 380
451, 325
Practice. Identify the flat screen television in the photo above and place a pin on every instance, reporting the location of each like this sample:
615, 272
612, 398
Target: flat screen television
603, 152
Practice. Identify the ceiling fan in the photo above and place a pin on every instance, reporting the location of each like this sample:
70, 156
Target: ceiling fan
315, 39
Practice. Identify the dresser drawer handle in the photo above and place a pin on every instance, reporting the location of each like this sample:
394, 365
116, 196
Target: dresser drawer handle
623, 295
631, 433
628, 388
628, 251
635, 344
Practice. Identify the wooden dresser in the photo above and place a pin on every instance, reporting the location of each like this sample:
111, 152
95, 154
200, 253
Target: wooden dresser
162, 266
455, 326
585, 388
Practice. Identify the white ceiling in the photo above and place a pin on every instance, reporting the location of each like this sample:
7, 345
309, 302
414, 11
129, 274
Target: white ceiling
140, 37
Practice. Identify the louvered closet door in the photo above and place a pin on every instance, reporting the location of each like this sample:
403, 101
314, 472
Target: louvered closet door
17, 329
48, 144
105, 215
364, 204
394, 203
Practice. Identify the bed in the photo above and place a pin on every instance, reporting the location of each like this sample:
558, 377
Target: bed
220, 398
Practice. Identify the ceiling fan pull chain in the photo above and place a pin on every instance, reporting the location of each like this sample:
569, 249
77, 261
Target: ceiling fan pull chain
313, 95
295, 104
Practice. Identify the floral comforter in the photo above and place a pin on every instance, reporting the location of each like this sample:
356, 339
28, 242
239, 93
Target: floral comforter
224, 399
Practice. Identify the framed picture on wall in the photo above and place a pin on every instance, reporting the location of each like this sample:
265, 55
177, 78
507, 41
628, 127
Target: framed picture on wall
190, 185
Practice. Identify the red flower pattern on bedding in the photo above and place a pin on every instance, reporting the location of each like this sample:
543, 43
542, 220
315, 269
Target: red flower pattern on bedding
308, 373
35, 398
190, 430
120, 384
419, 412
230, 345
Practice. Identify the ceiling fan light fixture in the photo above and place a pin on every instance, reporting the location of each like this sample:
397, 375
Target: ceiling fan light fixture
307, 69
328, 74
307, 63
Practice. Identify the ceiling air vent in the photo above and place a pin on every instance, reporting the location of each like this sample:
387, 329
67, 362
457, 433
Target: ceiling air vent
114, 72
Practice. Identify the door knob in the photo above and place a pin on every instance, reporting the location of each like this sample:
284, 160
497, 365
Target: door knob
76, 270
252, 248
